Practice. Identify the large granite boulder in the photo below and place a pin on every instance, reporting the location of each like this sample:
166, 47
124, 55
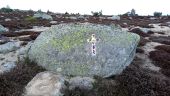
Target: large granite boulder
84, 49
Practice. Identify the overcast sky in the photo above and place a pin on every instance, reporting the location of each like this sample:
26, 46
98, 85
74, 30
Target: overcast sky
109, 7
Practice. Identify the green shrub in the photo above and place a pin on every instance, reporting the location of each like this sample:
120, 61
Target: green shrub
31, 19
97, 14
157, 14
6, 10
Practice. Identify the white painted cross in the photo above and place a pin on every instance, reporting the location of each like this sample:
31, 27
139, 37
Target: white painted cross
93, 40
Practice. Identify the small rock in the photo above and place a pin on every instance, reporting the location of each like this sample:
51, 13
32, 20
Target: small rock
3, 29
81, 83
46, 84
8, 47
114, 17
7, 19
74, 18
81, 17
3, 42
8, 66
53, 22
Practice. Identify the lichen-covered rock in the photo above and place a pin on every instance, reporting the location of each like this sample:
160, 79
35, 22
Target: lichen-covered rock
84, 49
43, 16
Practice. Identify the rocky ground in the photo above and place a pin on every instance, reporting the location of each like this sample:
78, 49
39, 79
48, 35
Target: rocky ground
148, 75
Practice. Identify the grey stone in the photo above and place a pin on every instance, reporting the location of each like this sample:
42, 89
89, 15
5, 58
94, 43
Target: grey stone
81, 17
43, 16
46, 84
3, 41
67, 49
3, 29
53, 22
8, 47
8, 66
7, 19
114, 17
83, 83
145, 30
72, 17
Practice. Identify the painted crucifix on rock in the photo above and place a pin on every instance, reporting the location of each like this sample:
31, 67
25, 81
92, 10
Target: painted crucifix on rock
93, 40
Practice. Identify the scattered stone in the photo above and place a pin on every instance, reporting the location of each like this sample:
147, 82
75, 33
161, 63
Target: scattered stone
53, 22
81, 17
152, 18
43, 16
7, 19
46, 84
158, 28
2, 42
83, 83
8, 47
84, 49
114, 17
145, 30
72, 17
3, 29
7, 66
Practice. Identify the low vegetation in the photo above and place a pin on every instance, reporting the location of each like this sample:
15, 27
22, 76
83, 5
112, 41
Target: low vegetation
31, 19
97, 14
13, 83
161, 58
157, 14
134, 81
6, 9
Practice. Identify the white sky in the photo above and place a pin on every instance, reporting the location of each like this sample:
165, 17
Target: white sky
109, 7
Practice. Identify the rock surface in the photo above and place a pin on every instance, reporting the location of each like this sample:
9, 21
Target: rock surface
45, 84
84, 49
